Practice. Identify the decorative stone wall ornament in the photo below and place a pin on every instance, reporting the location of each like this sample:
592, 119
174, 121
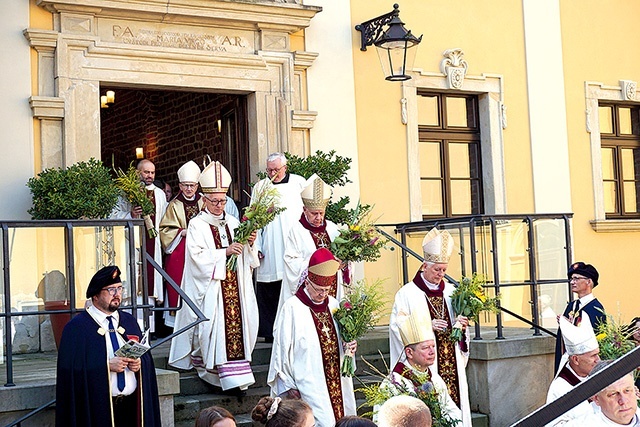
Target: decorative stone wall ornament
628, 89
503, 115
403, 110
454, 67
588, 121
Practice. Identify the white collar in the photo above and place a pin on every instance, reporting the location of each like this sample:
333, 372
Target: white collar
101, 317
586, 299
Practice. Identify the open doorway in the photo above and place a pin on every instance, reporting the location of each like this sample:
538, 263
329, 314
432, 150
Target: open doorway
172, 127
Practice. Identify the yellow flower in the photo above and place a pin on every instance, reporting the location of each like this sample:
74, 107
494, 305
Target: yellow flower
601, 336
481, 296
354, 227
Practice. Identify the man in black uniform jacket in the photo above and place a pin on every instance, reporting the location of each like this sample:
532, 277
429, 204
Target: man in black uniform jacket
583, 278
94, 387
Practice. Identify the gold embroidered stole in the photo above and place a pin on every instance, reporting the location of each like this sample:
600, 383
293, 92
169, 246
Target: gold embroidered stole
329, 347
234, 336
447, 367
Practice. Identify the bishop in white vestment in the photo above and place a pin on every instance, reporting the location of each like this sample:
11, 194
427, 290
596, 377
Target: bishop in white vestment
307, 349
220, 348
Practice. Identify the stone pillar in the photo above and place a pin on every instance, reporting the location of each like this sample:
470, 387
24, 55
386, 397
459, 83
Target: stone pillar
509, 378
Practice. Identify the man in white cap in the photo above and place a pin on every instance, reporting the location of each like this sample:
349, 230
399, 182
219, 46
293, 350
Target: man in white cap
580, 358
311, 232
220, 348
418, 371
429, 293
173, 230
270, 241
307, 349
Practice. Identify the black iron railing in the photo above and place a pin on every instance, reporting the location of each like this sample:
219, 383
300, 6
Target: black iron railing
131, 228
486, 257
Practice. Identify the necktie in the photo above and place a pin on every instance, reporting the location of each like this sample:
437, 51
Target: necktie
576, 312
115, 345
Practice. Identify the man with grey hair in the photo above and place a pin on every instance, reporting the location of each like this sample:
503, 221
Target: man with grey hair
404, 411
617, 403
270, 241
429, 293
581, 357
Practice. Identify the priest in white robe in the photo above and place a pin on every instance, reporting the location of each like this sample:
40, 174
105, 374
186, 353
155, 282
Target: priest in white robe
173, 231
220, 348
270, 240
307, 348
577, 362
124, 210
309, 233
429, 293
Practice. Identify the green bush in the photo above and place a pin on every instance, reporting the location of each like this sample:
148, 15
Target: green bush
85, 190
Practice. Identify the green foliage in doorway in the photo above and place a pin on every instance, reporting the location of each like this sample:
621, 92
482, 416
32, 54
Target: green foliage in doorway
85, 190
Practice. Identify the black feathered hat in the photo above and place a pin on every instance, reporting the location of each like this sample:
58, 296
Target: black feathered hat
104, 277
587, 270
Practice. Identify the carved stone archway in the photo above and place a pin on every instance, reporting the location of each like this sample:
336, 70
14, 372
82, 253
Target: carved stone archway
238, 47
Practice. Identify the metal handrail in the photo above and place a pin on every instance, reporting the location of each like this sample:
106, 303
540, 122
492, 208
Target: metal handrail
70, 271
483, 220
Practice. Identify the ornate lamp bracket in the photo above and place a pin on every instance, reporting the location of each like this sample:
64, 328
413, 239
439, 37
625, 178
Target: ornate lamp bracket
372, 29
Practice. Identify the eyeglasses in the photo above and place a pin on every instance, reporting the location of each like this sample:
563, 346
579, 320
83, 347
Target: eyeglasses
276, 170
114, 290
216, 202
324, 291
188, 185
576, 278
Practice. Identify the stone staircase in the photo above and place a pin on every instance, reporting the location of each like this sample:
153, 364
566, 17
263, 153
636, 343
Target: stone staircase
195, 394
182, 393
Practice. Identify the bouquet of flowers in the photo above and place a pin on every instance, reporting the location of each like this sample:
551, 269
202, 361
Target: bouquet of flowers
133, 189
468, 300
257, 215
614, 338
357, 314
360, 241
376, 394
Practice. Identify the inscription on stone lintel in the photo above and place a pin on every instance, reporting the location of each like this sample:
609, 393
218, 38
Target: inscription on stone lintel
175, 37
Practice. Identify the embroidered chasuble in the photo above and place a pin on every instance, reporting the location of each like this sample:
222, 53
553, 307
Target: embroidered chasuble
322, 240
329, 346
232, 310
446, 348
151, 245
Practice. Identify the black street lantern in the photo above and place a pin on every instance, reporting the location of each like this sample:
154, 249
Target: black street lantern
393, 44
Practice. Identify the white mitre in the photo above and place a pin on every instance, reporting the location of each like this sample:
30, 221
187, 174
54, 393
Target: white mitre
316, 193
578, 339
189, 172
437, 246
215, 178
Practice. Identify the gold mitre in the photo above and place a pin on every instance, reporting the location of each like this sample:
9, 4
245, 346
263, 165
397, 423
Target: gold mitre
189, 172
415, 328
215, 178
437, 246
316, 193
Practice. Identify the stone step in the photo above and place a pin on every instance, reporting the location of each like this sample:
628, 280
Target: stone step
187, 407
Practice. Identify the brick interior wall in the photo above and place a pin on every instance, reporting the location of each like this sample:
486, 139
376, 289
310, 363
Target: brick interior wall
172, 127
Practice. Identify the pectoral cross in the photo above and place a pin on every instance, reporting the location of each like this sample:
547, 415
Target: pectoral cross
325, 330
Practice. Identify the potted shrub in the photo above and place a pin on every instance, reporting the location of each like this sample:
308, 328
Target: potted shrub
85, 190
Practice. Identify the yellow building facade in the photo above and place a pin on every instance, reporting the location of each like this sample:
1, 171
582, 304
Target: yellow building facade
542, 93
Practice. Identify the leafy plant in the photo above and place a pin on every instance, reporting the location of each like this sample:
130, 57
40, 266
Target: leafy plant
84, 190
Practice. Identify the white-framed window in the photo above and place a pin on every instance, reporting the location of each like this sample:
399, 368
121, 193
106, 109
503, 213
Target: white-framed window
486, 91
613, 123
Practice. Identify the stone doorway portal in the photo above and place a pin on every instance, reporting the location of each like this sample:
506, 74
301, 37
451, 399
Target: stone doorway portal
172, 127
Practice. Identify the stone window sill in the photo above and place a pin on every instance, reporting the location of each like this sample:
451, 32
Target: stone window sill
615, 225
